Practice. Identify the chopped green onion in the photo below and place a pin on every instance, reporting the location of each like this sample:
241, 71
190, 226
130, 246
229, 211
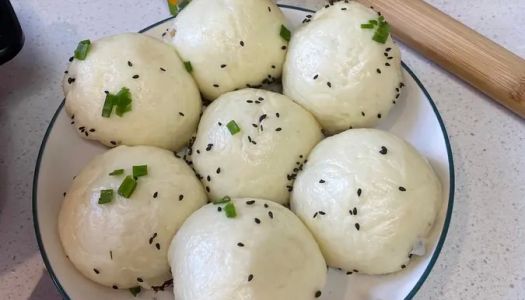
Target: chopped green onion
127, 187
140, 171
285, 33
117, 172
381, 19
373, 22
176, 8
108, 106
183, 4
230, 211
122, 101
233, 127
135, 291
106, 196
82, 49
367, 26
382, 33
187, 65
224, 199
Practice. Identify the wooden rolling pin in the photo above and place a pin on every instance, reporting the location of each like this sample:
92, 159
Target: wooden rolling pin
487, 66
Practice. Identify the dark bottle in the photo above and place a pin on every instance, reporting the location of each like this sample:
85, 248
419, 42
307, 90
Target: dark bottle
11, 36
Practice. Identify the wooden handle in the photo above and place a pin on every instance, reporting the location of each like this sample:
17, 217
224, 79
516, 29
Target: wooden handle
492, 69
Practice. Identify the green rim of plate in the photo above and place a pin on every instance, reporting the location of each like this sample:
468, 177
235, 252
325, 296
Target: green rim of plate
410, 295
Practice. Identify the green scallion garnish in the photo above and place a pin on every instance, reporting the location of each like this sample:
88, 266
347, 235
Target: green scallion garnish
285, 33
106, 196
176, 8
187, 65
367, 26
230, 211
117, 172
233, 127
382, 33
108, 106
82, 49
127, 187
122, 101
141, 170
135, 291
224, 199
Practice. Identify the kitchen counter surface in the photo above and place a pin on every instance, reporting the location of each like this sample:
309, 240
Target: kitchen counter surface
484, 253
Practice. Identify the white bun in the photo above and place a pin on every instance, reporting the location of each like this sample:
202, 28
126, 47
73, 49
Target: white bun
262, 159
117, 243
334, 50
277, 259
165, 104
231, 44
393, 190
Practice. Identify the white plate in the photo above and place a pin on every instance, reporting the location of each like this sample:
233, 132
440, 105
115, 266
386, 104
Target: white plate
63, 153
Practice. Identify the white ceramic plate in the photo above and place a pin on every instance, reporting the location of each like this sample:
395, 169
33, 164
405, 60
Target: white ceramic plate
63, 153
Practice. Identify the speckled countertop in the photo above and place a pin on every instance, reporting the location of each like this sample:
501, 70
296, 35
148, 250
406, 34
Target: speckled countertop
484, 254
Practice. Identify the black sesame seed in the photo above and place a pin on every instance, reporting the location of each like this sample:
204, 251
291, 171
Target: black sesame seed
220, 124
130, 64
215, 85
113, 142
383, 150
208, 178
385, 54
378, 71
355, 211
64, 194
257, 220
249, 101
223, 66
316, 76
329, 84
96, 271
269, 9
208, 147
349, 273
273, 67
278, 129
250, 202
379, 116
157, 245
350, 212
410, 255
162, 69
219, 209
343, 8
356, 271
357, 226
115, 287
254, 125
262, 117
402, 189
283, 48
277, 115
322, 181
315, 215
152, 238
65, 72
198, 151
110, 254
86, 133
322, 213
397, 96
250, 277
139, 279
387, 64
92, 130
359, 192
208, 189
155, 194
135, 76
403, 266
70, 80
181, 196
388, 49
318, 294
270, 214
181, 114
218, 170
242, 43
390, 57
240, 244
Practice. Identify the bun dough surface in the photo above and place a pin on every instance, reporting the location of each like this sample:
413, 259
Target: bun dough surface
262, 159
124, 243
264, 253
335, 70
231, 44
369, 198
165, 105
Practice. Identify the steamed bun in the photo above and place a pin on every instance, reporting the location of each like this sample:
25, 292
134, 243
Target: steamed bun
230, 44
335, 70
262, 159
124, 243
165, 105
368, 197
264, 253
